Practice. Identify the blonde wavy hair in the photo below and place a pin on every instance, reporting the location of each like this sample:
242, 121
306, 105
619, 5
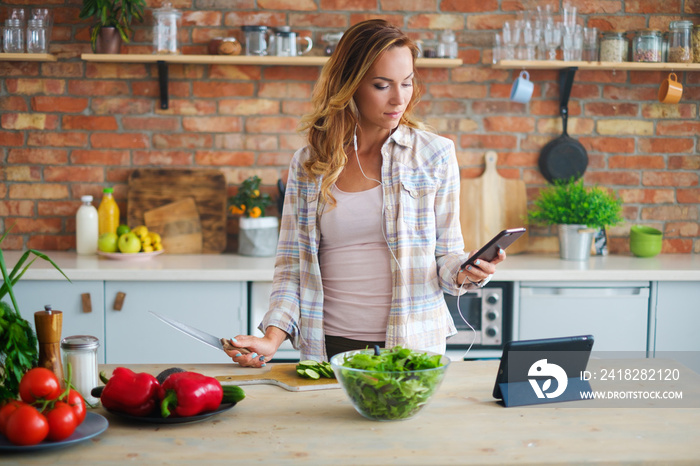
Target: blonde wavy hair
331, 125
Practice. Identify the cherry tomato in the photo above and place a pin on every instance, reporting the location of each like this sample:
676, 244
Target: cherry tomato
39, 383
62, 421
26, 426
78, 404
7, 409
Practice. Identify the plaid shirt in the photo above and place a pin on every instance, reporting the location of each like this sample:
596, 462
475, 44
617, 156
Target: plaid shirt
421, 181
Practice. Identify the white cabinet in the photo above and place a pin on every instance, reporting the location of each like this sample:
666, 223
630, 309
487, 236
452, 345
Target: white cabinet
259, 304
67, 297
615, 313
678, 321
133, 335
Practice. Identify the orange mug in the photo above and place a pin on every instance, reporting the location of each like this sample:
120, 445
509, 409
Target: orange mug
671, 90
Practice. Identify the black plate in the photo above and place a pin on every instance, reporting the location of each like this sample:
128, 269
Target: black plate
157, 419
93, 425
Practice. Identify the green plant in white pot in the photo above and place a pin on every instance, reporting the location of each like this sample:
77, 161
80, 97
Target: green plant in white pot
578, 212
258, 234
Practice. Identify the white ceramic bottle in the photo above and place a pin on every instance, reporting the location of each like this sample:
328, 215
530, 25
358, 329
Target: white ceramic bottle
86, 226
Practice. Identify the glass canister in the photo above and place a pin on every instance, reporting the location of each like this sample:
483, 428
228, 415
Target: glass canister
37, 36
80, 351
647, 46
614, 46
256, 40
447, 47
330, 42
167, 20
13, 36
696, 43
679, 48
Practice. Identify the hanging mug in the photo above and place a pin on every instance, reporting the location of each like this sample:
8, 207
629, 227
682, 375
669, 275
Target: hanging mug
522, 88
671, 90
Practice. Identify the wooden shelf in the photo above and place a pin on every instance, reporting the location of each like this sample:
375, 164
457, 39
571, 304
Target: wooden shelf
243, 60
27, 57
593, 65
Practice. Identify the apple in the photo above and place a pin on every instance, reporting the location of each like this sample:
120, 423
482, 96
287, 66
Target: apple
107, 242
121, 229
129, 243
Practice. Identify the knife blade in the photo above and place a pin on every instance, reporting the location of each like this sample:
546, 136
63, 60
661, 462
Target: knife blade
204, 337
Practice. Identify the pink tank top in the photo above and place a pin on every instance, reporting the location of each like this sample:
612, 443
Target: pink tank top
355, 267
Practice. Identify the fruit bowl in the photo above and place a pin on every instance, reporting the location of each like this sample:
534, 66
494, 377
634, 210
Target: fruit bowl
135, 256
379, 392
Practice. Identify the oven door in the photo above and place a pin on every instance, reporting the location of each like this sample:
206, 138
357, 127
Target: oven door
483, 317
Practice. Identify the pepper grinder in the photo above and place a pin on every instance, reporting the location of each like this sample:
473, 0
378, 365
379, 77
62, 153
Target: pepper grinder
48, 325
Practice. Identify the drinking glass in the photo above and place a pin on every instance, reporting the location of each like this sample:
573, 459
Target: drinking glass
552, 39
511, 38
569, 16
572, 43
590, 44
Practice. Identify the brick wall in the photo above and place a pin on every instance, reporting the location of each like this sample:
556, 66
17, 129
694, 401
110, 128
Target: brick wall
70, 128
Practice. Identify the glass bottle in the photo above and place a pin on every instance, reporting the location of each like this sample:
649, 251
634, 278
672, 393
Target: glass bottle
86, 227
447, 47
646, 46
108, 213
80, 351
679, 50
614, 46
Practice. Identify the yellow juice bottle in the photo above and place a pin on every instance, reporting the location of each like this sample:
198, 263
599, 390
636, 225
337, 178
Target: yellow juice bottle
108, 213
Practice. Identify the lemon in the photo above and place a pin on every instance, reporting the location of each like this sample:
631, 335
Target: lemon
147, 248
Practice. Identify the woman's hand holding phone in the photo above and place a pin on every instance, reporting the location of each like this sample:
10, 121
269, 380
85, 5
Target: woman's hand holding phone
480, 269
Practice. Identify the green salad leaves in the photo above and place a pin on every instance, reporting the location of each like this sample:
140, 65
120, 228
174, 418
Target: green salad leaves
395, 384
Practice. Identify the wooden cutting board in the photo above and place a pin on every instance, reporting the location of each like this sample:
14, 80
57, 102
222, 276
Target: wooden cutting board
178, 225
491, 203
282, 375
152, 188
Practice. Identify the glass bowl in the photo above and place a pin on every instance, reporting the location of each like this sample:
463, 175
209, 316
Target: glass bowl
388, 395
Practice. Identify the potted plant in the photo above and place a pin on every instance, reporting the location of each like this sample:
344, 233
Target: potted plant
113, 19
579, 212
18, 342
257, 234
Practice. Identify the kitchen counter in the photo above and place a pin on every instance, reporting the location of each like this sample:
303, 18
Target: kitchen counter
462, 425
233, 267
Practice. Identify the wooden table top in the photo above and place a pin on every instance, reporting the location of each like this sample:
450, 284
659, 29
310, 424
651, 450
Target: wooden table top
462, 425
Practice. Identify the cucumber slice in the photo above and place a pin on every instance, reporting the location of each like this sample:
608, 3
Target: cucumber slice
308, 363
312, 374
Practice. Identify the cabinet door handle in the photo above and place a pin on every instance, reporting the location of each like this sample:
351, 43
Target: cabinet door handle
87, 303
119, 301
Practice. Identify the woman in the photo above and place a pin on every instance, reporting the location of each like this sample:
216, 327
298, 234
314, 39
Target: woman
370, 235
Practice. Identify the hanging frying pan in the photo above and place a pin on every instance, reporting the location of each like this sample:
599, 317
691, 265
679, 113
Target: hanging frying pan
563, 158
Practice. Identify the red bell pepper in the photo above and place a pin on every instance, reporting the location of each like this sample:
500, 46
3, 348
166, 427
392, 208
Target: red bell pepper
189, 393
130, 392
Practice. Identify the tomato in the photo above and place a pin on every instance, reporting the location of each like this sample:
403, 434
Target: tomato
78, 404
39, 383
7, 409
62, 421
26, 426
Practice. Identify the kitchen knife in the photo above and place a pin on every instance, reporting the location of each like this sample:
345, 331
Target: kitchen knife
204, 337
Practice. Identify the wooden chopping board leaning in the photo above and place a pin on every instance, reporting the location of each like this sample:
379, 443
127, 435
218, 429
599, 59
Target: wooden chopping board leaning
491, 203
178, 225
150, 189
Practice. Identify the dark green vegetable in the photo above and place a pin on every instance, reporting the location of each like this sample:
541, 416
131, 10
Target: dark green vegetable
393, 385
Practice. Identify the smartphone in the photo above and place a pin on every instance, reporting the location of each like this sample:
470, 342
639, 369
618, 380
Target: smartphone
490, 250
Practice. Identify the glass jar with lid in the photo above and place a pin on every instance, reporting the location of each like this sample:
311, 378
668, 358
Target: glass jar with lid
679, 48
614, 46
80, 352
647, 46
696, 43
165, 29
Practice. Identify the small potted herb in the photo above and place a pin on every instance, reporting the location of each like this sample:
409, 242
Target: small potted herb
113, 19
18, 342
258, 233
579, 212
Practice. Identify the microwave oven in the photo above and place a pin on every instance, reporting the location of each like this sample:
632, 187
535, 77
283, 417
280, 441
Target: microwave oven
489, 312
